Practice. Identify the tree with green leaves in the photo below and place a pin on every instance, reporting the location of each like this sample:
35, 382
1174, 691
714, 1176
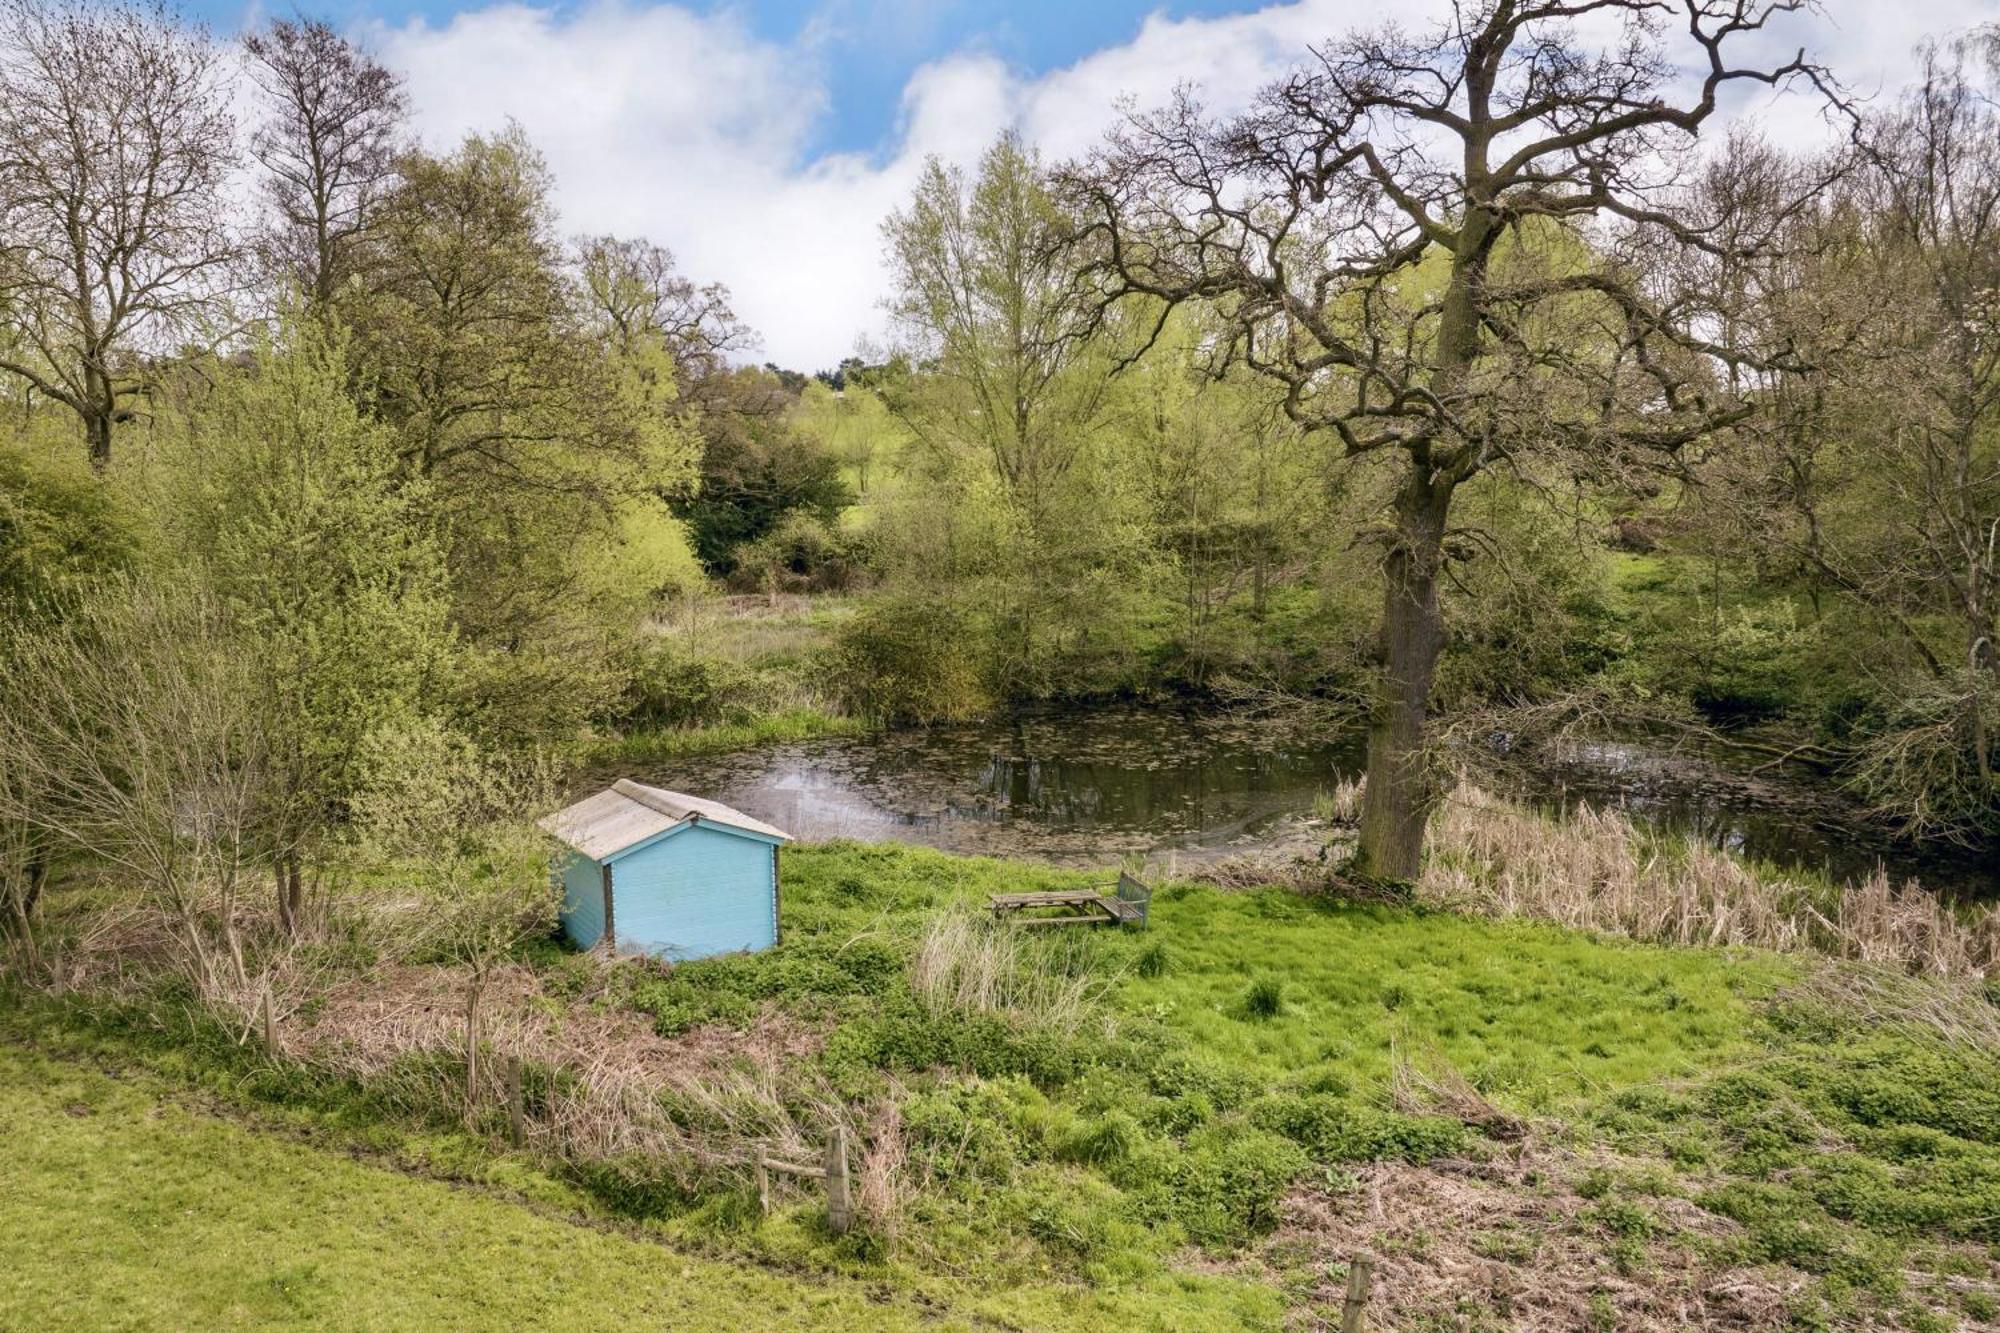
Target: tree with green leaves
1454, 249
1003, 384
292, 505
531, 437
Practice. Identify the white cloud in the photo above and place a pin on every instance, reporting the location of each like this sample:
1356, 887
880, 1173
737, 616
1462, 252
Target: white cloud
687, 128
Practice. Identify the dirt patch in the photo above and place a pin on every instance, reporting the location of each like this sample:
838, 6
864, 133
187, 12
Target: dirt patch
1516, 1244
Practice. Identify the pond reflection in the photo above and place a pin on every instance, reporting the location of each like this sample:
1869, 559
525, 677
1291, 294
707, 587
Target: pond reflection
1094, 784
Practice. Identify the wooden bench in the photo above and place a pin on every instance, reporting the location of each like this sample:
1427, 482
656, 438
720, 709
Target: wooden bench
1125, 905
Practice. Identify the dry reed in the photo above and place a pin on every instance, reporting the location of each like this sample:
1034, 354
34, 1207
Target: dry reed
969, 965
1594, 870
1423, 1082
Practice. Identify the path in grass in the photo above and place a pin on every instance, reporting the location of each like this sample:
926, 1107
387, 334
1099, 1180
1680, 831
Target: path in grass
120, 1209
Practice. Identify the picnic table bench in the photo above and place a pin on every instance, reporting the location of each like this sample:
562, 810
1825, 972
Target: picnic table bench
1125, 905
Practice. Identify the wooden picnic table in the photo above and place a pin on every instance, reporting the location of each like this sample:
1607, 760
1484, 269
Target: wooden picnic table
1089, 906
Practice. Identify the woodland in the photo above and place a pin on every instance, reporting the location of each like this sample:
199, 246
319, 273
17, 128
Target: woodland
1481, 378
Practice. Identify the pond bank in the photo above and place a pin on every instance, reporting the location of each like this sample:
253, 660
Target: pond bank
1087, 785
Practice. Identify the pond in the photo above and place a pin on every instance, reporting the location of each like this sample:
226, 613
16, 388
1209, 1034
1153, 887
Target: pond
1089, 785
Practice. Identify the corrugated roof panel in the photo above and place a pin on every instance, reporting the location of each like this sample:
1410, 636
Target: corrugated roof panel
628, 813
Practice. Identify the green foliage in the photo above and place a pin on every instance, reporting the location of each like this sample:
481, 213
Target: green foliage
541, 450
1264, 999
1153, 960
911, 661
291, 504
756, 471
1854, 1136
802, 553
395, 1250
670, 684
61, 530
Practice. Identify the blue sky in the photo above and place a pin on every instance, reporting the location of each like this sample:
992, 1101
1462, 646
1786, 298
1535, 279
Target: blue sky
764, 141
868, 48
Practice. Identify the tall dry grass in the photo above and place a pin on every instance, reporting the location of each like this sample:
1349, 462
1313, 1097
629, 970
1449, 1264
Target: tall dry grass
1594, 870
966, 964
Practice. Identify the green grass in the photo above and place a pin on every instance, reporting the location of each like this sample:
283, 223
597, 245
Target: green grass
797, 724
1537, 1018
1246, 1043
120, 1208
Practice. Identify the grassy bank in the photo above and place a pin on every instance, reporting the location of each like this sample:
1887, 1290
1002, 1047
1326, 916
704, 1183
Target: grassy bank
109, 1177
659, 744
1195, 1125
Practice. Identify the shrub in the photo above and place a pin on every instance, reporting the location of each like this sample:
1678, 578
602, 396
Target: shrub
1334, 1129
670, 685
1226, 1184
911, 661
1100, 1140
1152, 960
803, 553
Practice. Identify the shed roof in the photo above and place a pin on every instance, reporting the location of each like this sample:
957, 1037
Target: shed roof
627, 813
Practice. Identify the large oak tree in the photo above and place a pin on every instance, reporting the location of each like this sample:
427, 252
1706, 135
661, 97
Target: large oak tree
1457, 250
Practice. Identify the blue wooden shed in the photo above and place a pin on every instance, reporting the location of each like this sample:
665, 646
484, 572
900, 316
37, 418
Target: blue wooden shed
654, 871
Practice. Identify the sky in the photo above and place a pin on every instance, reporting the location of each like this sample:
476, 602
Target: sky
763, 141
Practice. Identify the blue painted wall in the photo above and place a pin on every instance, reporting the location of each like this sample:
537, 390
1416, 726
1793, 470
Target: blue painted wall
697, 892
583, 899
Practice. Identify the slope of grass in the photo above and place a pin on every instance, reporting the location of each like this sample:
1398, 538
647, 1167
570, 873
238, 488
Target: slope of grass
1076, 1115
1533, 1015
122, 1209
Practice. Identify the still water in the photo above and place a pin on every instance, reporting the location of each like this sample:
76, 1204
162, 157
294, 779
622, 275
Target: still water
1091, 785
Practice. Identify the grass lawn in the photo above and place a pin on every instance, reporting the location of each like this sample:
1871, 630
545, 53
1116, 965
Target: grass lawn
1537, 1018
120, 1208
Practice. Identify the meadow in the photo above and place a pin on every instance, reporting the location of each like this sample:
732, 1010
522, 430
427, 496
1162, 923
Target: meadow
1193, 1125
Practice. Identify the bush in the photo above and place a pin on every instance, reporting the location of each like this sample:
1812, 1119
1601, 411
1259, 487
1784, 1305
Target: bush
1225, 1186
802, 554
1152, 960
1265, 999
1333, 1129
911, 661
670, 685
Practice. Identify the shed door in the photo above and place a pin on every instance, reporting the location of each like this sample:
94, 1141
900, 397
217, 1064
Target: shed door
698, 894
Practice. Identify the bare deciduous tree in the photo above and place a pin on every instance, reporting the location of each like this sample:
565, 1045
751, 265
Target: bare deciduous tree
634, 290
1883, 480
115, 138
329, 148
129, 734
1457, 250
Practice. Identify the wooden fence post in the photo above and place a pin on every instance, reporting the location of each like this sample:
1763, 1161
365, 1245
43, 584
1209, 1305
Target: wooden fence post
270, 1026
517, 1116
764, 1181
1354, 1311
839, 1206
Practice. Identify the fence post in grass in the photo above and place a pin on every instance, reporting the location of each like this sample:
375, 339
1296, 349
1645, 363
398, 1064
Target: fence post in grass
1354, 1310
839, 1207
270, 1025
763, 1181
517, 1116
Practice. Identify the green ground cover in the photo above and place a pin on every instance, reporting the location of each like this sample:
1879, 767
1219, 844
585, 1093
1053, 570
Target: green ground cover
122, 1208
1101, 1125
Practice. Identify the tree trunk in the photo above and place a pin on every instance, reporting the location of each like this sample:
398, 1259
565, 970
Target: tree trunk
291, 894
1397, 801
97, 431
472, 996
